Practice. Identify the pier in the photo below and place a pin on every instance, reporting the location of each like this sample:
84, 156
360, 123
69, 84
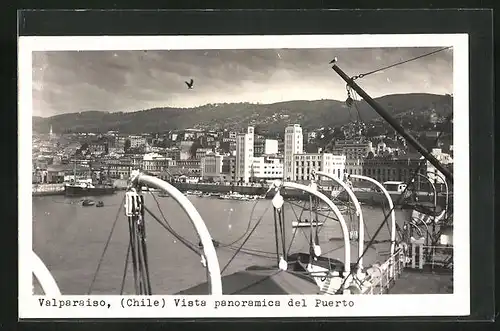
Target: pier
47, 189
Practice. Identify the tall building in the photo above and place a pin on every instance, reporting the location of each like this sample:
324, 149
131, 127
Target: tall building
244, 155
294, 144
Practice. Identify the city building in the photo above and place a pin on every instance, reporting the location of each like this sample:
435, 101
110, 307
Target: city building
211, 167
270, 146
266, 167
303, 165
393, 168
264, 146
155, 163
355, 151
137, 141
119, 170
294, 144
244, 154
436, 176
201, 152
229, 168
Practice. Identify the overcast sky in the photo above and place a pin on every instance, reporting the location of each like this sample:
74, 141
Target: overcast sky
70, 81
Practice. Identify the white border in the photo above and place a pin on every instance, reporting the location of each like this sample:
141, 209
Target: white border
454, 304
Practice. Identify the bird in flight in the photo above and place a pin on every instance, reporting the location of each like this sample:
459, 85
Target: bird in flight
190, 84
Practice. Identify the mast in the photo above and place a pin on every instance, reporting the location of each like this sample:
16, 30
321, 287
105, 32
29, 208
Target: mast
385, 114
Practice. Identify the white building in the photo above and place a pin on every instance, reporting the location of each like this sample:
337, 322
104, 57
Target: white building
155, 163
244, 155
325, 162
211, 167
270, 146
293, 145
435, 175
267, 167
355, 152
137, 141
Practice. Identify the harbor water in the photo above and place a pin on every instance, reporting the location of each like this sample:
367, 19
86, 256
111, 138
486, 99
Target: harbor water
70, 240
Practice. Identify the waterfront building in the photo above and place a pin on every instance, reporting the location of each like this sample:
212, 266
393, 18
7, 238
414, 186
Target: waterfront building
394, 168
211, 167
355, 151
244, 154
228, 168
266, 167
155, 163
325, 162
293, 145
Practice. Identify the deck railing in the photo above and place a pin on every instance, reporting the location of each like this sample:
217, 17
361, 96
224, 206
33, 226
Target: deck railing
390, 271
423, 256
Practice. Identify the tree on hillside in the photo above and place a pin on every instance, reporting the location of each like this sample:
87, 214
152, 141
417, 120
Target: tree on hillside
194, 147
127, 145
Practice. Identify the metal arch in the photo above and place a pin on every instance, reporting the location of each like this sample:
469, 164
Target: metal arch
336, 211
447, 189
433, 188
44, 277
354, 199
213, 268
391, 206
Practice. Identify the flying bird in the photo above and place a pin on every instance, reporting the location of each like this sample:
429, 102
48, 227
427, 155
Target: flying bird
190, 84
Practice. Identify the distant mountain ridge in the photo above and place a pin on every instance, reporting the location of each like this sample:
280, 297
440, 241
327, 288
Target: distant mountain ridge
271, 117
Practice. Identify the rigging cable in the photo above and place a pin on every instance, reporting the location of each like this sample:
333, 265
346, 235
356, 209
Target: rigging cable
125, 269
106, 246
246, 239
400, 63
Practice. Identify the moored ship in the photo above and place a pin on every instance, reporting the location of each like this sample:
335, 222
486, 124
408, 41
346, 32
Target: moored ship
83, 188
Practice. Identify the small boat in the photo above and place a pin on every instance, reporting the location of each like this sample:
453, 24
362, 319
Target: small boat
306, 223
215, 242
88, 202
207, 195
99, 204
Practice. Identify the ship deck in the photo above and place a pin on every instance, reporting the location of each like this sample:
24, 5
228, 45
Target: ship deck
425, 281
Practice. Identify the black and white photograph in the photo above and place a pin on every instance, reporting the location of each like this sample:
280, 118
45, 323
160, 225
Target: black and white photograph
269, 173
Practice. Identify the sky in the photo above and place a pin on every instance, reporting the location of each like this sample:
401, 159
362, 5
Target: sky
76, 81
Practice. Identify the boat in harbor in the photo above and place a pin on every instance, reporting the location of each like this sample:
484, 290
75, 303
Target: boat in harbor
88, 203
99, 204
237, 196
86, 188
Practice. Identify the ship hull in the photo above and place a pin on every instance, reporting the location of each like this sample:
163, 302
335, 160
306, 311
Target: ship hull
72, 191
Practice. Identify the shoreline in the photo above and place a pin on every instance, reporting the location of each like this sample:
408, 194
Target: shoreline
366, 197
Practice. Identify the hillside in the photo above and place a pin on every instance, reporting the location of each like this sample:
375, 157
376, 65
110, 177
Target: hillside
272, 117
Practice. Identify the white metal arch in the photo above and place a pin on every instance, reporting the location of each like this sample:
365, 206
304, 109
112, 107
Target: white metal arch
391, 207
336, 211
446, 186
359, 212
212, 263
433, 187
44, 277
